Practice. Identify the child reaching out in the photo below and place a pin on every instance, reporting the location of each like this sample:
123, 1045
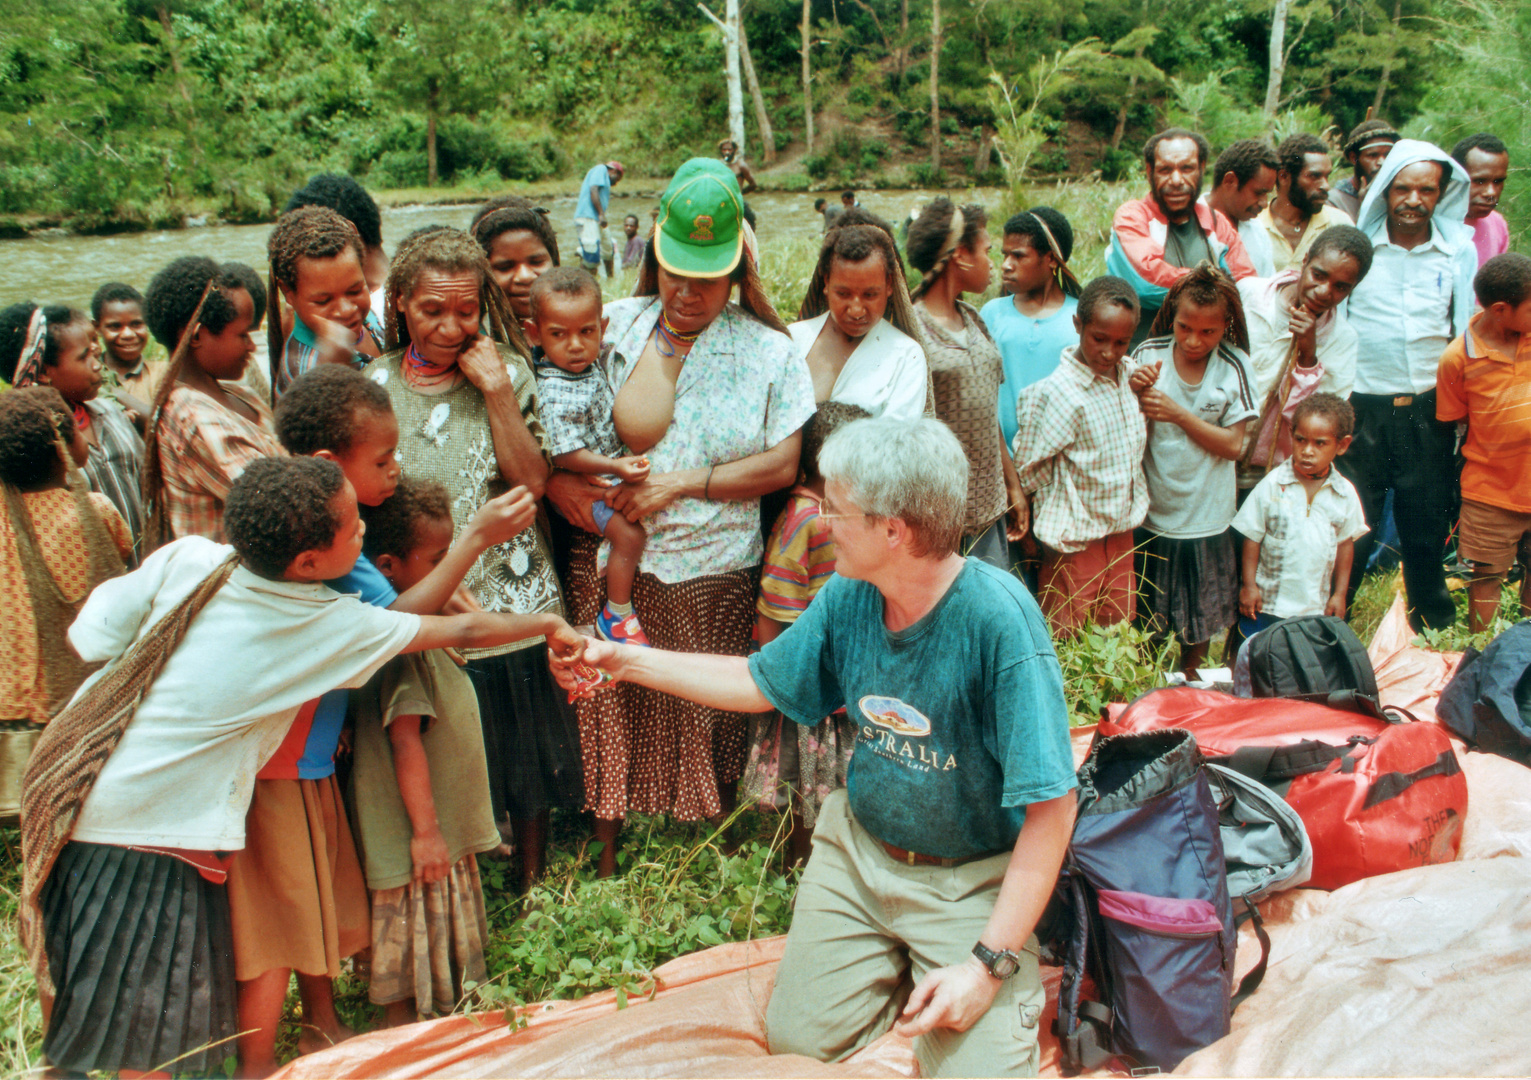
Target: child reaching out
316, 265
1301, 522
1192, 381
575, 400
1079, 453
297, 896
1484, 378
140, 787
57, 543
421, 787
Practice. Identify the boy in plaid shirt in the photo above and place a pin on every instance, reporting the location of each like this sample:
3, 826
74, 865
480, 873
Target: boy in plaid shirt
1079, 449
574, 400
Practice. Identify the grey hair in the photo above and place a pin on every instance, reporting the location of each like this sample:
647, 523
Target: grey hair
913, 470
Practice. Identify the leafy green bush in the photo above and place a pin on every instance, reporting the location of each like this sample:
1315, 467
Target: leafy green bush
817, 166
926, 175
1102, 664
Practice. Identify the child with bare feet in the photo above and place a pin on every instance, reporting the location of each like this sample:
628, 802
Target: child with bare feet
421, 788
574, 401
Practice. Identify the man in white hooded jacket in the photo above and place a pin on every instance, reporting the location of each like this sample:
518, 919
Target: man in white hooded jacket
1416, 298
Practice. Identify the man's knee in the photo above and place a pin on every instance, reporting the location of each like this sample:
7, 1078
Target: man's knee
796, 1027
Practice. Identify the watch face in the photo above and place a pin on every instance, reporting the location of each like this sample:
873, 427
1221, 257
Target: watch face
1005, 965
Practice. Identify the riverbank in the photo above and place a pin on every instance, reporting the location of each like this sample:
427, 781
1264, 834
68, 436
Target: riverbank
787, 177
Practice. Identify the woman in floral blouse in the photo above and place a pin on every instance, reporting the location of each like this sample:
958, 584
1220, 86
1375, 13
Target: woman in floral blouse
714, 394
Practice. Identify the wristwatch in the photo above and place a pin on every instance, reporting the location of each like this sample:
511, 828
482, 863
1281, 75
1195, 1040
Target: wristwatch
1001, 964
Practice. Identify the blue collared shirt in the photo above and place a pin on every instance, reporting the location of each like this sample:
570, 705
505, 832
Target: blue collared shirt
1403, 314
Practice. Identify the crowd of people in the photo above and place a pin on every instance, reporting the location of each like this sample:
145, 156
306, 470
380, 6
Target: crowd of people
221, 574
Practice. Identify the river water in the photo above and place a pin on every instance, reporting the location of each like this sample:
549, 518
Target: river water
65, 269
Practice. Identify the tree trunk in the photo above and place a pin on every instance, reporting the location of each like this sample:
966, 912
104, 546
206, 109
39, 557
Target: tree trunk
175, 57
1387, 66
985, 150
432, 93
1277, 58
903, 43
731, 73
935, 85
807, 75
1132, 89
762, 120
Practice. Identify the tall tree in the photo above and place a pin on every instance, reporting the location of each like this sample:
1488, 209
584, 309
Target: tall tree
1277, 57
935, 85
440, 60
762, 118
730, 27
807, 32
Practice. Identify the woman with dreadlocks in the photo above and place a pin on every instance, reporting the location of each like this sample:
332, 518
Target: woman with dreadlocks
715, 395
466, 406
949, 246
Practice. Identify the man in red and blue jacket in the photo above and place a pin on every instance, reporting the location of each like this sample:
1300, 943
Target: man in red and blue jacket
1157, 239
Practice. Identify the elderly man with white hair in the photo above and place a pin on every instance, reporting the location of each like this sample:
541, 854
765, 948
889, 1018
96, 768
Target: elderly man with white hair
933, 866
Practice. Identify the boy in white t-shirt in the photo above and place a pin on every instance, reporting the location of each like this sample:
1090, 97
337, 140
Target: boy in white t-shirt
1301, 522
166, 810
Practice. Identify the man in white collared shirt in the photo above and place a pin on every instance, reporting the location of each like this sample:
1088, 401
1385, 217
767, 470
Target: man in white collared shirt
1416, 298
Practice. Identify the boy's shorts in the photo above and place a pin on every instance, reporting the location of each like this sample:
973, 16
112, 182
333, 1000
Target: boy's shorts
1492, 538
602, 513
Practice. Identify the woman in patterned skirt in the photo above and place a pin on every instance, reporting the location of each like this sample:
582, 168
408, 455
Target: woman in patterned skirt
714, 394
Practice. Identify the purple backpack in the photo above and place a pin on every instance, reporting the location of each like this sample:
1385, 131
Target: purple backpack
1142, 909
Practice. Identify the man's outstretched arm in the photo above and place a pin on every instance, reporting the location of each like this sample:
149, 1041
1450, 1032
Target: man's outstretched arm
719, 682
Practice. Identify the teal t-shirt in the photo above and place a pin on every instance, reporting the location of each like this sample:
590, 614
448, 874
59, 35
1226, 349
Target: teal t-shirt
1031, 349
960, 717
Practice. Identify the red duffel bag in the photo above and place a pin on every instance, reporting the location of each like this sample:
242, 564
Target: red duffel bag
1377, 794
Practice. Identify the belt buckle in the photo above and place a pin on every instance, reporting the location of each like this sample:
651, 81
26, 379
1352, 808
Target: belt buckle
909, 857
1402, 400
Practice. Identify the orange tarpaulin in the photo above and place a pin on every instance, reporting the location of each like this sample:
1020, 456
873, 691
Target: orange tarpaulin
1423, 972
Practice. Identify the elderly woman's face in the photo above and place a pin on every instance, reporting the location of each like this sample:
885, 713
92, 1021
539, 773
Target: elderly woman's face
691, 303
442, 313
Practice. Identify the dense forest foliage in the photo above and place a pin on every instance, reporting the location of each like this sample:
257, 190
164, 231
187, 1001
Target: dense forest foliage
116, 112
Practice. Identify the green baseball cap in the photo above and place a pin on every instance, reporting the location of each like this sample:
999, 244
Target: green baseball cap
699, 213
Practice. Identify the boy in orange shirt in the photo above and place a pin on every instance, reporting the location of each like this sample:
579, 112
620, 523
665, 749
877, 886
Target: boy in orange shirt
1485, 379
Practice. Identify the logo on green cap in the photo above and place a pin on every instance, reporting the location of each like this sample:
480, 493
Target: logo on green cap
701, 228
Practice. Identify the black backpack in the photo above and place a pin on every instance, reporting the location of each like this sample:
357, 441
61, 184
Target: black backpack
1311, 656
1142, 909
1488, 700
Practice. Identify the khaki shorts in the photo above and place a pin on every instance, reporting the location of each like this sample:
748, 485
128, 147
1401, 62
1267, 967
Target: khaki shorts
1492, 538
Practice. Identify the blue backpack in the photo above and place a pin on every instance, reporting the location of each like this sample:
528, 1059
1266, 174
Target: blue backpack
1142, 909
1488, 700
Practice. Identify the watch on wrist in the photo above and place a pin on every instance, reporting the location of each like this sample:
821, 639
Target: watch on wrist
1001, 964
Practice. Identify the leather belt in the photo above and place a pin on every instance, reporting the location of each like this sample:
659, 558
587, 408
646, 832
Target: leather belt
1403, 400
914, 858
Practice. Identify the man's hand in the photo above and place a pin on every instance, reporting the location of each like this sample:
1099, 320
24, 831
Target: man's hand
1144, 377
635, 470
503, 517
1336, 605
1304, 326
481, 364
428, 853
1251, 601
951, 997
